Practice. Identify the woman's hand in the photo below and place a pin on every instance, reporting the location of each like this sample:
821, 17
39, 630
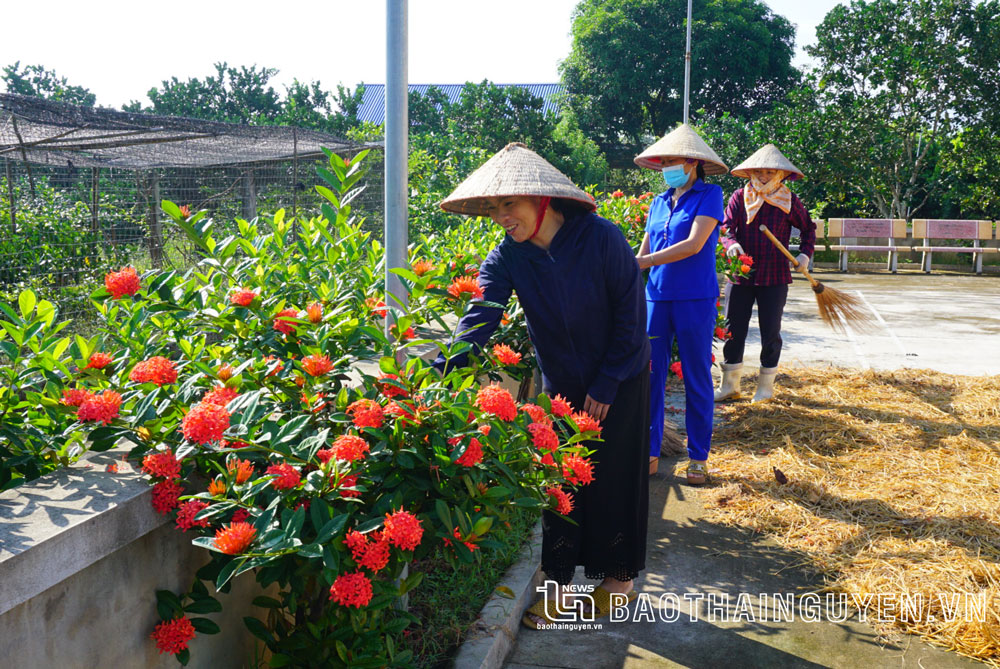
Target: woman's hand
734, 250
644, 262
595, 408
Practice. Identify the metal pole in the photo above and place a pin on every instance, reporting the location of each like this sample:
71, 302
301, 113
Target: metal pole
687, 66
396, 137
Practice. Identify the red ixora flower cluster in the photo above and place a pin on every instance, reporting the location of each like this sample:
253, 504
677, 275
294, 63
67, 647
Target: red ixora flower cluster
242, 297
349, 447
497, 401
172, 636
283, 322
205, 423
187, 512
74, 397
402, 529
101, 408
314, 312
468, 544
98, 360
235, 538
351, 590
722, 333
243, 469
163, 464
316, 364
220, 395
166, 496
586, 423
505, 355
390, 389
561, 406
537, 413
366, 413
421, 267
675, 367
473, 454
543, 436
564, 500
376, 306
287, 476
156, 370
123, 282
578, 470
349, 482
466, 285
371, 551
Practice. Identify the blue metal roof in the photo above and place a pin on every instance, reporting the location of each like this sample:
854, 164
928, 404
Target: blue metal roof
373, 99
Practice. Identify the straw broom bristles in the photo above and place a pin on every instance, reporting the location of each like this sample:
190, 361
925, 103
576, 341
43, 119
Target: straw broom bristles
892, 485
836, 308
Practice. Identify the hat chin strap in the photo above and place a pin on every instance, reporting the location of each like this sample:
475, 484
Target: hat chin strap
542, 208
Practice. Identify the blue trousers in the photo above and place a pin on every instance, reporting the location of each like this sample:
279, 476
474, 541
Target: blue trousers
692, 322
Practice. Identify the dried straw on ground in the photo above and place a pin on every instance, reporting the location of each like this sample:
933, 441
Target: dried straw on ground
893, 487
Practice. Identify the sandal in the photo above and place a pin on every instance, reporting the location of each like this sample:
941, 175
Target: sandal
654, 464
549, 615
602, 600
697, 472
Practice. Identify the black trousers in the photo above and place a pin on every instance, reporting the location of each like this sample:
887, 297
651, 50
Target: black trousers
608, 536
770, 306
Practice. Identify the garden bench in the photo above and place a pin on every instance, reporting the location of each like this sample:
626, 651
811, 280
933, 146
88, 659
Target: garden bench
934, 229
852, 228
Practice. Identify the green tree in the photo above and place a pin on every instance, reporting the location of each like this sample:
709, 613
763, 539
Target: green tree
37, 81
625, 72
233, 95
896, 82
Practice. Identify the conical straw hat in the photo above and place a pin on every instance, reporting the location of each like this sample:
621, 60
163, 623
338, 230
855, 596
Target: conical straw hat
681, 142
768, 157
513, 170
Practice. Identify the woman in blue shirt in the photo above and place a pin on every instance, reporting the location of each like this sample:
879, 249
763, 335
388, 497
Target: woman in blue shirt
683, 287
577, 280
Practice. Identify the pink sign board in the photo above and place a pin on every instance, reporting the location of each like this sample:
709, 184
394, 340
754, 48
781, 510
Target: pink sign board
867, 227
941, 229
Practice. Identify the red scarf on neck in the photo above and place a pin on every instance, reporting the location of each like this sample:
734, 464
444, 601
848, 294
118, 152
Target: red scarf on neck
544, 205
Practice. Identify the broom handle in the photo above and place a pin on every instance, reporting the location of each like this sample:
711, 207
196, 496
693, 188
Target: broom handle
781, 247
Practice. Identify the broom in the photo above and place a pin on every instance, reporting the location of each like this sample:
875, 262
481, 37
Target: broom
836, 307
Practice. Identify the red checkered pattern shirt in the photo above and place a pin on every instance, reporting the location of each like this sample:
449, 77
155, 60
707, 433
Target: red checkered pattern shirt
770, 266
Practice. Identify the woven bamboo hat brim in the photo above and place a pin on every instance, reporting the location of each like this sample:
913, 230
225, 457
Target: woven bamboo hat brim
513, 170
681, 142
768, 157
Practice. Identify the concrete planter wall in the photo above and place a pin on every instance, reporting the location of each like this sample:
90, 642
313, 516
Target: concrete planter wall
81, 554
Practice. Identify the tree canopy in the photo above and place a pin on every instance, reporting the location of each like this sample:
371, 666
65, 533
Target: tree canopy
37, 81
625, 72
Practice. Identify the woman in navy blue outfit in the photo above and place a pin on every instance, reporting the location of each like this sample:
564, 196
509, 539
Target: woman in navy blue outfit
682, 290
581, 290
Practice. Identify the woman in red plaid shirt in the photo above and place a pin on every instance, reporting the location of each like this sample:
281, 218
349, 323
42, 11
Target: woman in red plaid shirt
765, 199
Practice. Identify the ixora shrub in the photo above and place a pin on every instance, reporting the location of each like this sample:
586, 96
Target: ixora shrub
295, 440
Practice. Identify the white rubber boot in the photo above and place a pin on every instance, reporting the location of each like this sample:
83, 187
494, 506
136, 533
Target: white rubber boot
765, 384
729, 388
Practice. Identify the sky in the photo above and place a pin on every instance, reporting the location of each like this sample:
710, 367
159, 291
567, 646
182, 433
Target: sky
119, 50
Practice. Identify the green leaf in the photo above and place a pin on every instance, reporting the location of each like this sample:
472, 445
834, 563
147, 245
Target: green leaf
26, 301
444, 514
410, 582
331, 528
291, 429
266, 602
205, 605
205, 626
331, 559
184, 657
228, 571
258, 629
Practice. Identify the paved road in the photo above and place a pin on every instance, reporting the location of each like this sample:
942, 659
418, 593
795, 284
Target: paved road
948, 323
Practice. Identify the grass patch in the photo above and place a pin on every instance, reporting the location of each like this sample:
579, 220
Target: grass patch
449, 600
